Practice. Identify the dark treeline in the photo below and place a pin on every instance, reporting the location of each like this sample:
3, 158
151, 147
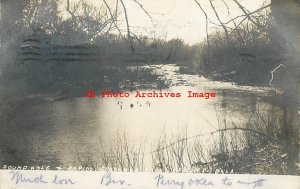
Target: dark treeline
63, 45
59, 47
88, 64
246, 56
50, 50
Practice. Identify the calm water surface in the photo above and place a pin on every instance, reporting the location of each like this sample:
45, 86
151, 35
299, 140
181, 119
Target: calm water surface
53, 133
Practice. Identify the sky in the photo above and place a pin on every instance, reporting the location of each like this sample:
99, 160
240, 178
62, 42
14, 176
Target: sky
179, 18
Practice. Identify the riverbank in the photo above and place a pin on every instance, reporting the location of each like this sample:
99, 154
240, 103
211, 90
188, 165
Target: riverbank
48, 121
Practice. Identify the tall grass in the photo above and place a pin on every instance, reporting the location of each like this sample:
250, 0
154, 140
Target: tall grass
119, 154
253, 146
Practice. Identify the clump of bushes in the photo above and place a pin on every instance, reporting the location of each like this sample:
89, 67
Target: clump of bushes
246, 56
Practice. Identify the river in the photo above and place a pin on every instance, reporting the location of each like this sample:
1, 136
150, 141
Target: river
69, 131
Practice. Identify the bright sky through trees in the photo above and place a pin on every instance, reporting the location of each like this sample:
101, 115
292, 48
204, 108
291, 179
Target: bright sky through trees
179, 18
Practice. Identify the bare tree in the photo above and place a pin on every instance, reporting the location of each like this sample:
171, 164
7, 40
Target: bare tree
206, 29
91, 20
42, 14
286, 15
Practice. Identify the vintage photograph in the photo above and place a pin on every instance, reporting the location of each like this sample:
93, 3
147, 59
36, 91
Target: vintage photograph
168, 86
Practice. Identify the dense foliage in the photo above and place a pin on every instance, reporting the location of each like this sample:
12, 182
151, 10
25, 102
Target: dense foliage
247, 56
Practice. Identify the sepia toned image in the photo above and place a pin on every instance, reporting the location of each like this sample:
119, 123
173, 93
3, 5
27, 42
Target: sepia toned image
167, 86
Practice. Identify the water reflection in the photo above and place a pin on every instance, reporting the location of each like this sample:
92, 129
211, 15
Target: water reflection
67, 132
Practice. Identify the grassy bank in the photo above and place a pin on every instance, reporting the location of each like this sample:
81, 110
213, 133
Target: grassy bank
254, 146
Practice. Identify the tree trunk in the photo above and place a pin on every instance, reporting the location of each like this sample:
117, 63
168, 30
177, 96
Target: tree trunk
286, 14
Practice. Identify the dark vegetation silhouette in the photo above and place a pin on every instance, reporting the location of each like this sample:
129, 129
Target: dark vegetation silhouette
44, 51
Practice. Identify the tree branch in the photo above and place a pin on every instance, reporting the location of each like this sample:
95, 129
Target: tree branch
128, 27
113, 16
272, 72
223, 26
142, 7
248, 14
206, 28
